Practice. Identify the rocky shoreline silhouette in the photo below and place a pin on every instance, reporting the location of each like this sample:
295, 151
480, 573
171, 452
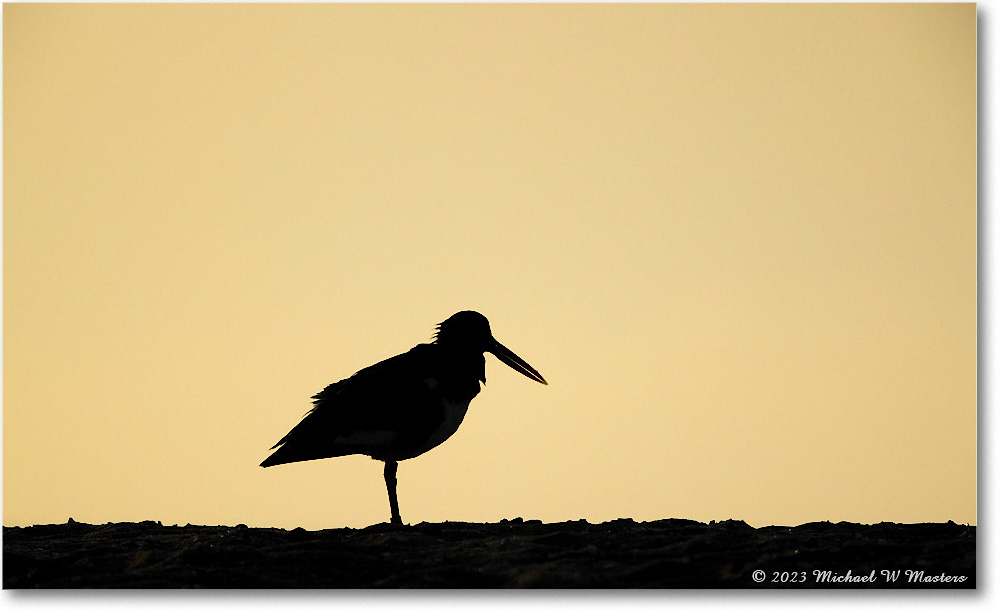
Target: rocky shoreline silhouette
669, 553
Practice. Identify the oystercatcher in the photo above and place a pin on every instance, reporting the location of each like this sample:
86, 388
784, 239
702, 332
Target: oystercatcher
401, 407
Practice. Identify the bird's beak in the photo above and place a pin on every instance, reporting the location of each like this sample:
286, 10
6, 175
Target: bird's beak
509, 358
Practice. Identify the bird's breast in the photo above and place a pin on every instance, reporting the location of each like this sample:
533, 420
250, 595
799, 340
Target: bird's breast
454, 413
451, 403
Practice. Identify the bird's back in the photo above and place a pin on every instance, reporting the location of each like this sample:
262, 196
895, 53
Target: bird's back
390, 411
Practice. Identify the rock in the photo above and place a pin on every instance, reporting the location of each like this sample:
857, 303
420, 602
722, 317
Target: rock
513, 553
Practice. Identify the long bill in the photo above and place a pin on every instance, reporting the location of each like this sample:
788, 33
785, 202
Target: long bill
509, 358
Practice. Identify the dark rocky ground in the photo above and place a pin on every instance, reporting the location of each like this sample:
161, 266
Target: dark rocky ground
670, 553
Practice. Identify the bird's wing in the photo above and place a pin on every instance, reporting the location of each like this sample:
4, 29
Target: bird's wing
367, 411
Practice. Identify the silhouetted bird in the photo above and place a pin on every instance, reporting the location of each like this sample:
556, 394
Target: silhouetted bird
403, 406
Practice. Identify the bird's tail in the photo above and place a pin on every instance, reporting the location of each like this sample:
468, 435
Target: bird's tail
287, 454
281, 456
272, 460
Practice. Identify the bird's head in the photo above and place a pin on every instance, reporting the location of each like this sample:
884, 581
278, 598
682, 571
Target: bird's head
471, 330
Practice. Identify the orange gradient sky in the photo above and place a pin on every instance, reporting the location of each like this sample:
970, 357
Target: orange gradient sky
738, 240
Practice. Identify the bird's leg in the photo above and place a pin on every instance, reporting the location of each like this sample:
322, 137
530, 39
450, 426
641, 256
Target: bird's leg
390, 485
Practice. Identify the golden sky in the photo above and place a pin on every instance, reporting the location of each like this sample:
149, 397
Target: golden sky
739, 241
